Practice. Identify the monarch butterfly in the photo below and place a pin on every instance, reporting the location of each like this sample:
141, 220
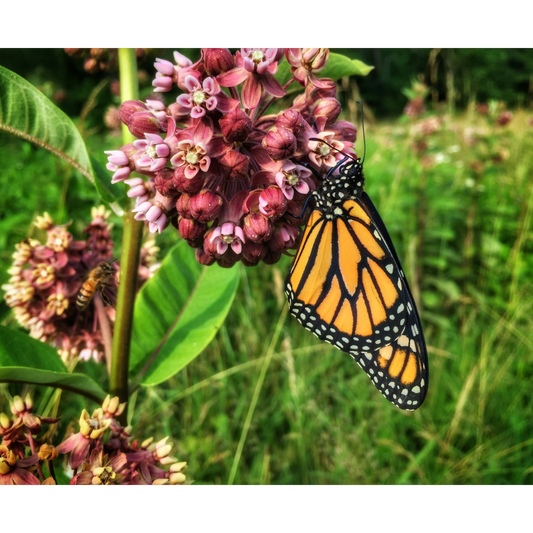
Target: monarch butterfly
346, 285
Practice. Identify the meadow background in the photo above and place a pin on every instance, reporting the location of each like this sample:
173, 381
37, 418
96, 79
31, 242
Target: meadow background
267, 403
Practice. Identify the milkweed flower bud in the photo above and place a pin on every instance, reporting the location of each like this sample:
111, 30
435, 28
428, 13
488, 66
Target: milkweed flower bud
257, 227
128, 108
191, 230
217, 60
235, 165
236, 126
280, 143
272, 202
292, 121
205, 205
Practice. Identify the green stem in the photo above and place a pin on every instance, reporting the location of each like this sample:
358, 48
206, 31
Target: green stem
130, 255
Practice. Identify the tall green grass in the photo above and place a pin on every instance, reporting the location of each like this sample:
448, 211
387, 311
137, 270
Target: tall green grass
267, 403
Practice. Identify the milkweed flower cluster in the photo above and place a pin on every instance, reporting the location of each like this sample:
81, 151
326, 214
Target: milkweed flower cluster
216, 166
47, 276
102, 452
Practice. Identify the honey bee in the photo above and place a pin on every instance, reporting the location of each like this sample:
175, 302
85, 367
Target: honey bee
97, 280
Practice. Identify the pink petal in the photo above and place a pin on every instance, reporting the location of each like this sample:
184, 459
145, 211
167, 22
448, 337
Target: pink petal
197, 112
225, 104
158, 164
141, 144
153, 138
262, 68
324, 83
216, 233
251, 91
79, 453
185, 100
121, 174
144, 161
203, 132
233, 77
133, 182
153, 213
205, 163
227, 228
288, 192
162, 84
302, 187
211, 103
119, 159
236, 246
249, 64
159, 225
221, 247
210, 86
136, 191
162, 150
240, 233
181, 60
280, 179
23, 477
142, 208
164, 66
191, 171
192, 83
272, 85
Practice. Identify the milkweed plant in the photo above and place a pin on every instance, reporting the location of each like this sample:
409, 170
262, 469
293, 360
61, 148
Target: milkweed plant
220, 152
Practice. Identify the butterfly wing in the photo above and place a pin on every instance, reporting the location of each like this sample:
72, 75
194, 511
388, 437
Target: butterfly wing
347, 287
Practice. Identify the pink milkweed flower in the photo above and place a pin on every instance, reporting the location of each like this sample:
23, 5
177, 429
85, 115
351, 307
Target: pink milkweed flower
168, 74
138, 189
80, 444
256, 68
165, 72
12, 468
195, 148
118, 162
155, 151
294, 178
320, 153
305, 62
154, 212
229, 233
203, 97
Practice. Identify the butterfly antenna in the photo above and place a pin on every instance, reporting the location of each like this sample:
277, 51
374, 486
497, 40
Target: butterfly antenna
363, 126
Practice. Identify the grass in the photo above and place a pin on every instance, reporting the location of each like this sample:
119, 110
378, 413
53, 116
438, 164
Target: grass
267, 403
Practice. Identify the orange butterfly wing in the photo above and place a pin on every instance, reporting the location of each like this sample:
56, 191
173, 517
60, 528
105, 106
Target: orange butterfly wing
346, 286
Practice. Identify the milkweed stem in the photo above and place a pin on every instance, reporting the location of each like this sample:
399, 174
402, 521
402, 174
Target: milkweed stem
130, 255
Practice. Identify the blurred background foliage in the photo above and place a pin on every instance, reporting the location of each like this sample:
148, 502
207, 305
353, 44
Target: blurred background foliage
449, 166
462, 75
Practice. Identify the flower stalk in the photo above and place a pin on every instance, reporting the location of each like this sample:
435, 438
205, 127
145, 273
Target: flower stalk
130, 255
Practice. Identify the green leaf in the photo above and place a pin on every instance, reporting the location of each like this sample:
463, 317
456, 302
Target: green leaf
339, 66
26, 360
177, 314
27, 113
